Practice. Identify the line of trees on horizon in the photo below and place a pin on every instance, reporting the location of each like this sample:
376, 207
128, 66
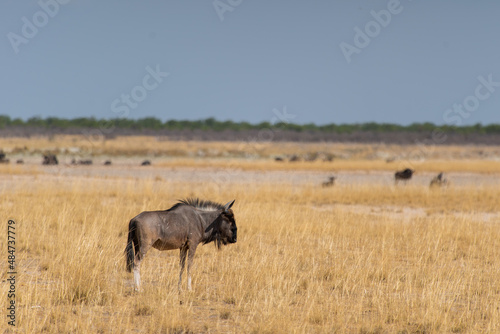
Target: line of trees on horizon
152, 123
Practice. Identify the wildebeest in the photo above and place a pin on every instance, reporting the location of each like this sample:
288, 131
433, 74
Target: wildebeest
184, 226
3, 160
330, 182
107, 162
50, 159
403, 175
20, 161
439, 181
146, 163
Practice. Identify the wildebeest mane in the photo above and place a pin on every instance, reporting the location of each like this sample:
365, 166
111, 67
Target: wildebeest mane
199, 204
205, 205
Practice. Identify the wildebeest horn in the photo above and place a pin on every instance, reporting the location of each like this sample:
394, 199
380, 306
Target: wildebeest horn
229, 205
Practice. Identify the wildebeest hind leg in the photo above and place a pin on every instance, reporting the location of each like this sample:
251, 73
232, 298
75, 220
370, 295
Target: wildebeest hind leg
139, 255
137, 276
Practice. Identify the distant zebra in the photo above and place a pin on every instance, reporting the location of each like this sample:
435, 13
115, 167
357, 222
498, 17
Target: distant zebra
330, 182
403, 175
438, 181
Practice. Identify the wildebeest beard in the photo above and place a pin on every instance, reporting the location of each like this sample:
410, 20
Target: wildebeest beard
215, 235
217, 239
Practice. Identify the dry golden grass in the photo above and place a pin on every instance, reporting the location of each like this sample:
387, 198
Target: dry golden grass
308, 259
9, 169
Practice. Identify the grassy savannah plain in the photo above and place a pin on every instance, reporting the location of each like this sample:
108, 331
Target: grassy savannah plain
353, 258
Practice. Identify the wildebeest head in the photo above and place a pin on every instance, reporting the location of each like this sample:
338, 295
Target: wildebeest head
224, 228
228, 229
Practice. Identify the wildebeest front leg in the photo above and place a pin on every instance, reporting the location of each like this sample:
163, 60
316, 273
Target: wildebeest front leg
192, 251
184, 250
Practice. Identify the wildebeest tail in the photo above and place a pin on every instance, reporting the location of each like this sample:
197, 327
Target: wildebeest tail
131, 242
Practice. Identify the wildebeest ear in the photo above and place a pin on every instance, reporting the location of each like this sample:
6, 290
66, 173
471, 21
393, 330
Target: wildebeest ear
229, 205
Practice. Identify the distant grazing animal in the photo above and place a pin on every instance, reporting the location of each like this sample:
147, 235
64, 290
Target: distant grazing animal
107, 162
439, 181
146, 163
2, 158
50, 159
294, 158
403, 175
311, 157
330, 182
184, 226
20, 161
81, 162
328, 157
279, 159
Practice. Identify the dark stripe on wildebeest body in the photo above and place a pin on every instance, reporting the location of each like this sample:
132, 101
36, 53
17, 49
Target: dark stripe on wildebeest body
184, 226
403, 175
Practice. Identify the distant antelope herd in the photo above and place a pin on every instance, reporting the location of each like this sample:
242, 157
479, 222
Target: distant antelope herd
403, 175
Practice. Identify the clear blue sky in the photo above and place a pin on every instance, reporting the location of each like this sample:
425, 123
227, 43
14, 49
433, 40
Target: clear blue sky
240, 60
